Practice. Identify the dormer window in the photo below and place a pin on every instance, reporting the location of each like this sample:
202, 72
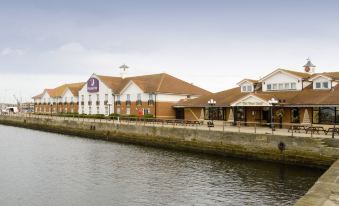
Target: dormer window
325, 85
322, 85
247, 88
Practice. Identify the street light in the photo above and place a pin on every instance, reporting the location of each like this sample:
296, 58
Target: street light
272, 102
211, 104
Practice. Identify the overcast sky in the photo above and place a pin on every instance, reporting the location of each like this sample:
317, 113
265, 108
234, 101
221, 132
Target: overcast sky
210, 43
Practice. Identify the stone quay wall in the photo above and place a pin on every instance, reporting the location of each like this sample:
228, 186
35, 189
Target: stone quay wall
314, 152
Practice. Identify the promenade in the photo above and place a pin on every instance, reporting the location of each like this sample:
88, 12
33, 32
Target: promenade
240, 127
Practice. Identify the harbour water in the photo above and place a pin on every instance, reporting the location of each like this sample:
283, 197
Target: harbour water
39, 168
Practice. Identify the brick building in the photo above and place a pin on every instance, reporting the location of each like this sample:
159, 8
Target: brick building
139, 95
284, 96
62, 99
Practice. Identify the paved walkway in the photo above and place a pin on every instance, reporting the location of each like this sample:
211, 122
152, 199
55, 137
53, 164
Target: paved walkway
222, 127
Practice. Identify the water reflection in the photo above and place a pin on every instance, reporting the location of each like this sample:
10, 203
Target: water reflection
40, 168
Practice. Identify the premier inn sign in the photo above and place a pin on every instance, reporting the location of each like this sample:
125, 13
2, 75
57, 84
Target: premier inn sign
93, 85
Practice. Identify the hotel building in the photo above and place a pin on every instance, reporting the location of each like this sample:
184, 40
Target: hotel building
62, 99
139, 95
287, 96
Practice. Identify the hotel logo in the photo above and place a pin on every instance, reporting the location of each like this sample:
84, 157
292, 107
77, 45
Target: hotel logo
93, 85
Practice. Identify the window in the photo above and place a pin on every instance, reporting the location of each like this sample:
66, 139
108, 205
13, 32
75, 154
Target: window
324, 115
147, 111
249, 88
72, 99
106, 110
98, 110
244, 88
281, 86
139, 97
295, 118
325, 85
128, 97
269, 87
128, 111
118, 98
322, 85
318, 85
293, 85
106, 97
150, 97
287, 85
274, 86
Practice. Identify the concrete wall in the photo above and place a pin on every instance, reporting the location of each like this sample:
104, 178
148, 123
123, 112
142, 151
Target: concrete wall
298, 150
325, 192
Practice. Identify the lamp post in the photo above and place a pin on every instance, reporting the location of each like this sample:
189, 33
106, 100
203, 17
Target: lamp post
211, 104
109, 109
272, 102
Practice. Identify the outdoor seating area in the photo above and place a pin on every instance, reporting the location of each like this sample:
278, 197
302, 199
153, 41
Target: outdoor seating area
313, 129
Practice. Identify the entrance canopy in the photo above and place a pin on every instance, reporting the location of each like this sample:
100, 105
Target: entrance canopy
251, 101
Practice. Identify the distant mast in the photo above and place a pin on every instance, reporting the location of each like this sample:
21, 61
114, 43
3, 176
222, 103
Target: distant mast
123, 70
309, 67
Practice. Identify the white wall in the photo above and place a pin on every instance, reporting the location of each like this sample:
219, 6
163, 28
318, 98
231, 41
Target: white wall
320, 80
281, 77
67, 97
103, 89
246, 84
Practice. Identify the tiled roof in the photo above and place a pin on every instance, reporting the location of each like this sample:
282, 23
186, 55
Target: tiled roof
299, 74
333, 75
157, 83
304, 97
73, 87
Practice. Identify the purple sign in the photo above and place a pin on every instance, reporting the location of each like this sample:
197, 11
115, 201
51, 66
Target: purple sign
93, 85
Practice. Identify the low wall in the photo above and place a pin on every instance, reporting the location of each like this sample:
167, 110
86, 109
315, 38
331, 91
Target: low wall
306, 151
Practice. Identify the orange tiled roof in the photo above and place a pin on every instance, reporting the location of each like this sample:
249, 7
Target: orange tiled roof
304, 97
157, 83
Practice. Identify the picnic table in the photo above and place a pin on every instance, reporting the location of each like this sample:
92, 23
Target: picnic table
316, 129
298, 128
332, 130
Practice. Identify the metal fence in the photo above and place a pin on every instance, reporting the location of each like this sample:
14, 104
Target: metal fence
285, 129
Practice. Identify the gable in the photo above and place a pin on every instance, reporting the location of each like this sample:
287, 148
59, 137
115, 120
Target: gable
321, 78
131, 88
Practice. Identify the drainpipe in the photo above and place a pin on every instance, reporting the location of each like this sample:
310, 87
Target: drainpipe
155, 105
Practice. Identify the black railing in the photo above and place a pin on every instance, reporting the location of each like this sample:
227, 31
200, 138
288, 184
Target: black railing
89, 102
139, 102
97, 103
128, 103
118, 103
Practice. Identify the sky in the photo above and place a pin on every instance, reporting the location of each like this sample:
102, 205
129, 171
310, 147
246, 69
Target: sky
211, 43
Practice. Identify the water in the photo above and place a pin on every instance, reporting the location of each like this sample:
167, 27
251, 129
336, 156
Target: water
38, 168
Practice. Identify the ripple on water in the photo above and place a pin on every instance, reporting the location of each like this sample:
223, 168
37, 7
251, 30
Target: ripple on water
39, 168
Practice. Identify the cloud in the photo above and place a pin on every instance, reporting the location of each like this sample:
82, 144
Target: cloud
12, 52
